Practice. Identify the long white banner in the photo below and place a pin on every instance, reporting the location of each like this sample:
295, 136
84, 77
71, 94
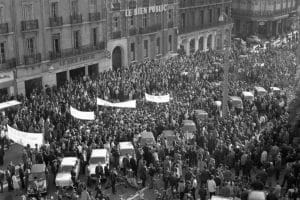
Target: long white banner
24, 138
157, 99
82, 115
125, 104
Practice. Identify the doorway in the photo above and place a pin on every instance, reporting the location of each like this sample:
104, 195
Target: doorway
117, 58
33, 84
93, 71
61, 78
78, 73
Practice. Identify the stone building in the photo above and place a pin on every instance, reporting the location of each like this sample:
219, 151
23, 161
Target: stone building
265, 18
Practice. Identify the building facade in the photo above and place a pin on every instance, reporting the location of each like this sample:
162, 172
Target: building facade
204, 24
51, 41
8, 56
265, 18
140, 29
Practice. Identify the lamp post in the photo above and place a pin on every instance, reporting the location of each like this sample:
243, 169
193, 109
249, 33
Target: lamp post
225, 85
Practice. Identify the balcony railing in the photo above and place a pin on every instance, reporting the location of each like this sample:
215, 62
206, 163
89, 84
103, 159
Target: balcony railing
133, 31
95, 16
170, 24
189, 29
171, 1
32, 59
78, 51
116, 34
7, 64
75, 18
55, 21
150, 29
262, 13
3, 28
29, 25
194, 3
158, 2
115, 6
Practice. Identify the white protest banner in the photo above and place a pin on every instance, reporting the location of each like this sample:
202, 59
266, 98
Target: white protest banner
126, 104
24, 138
157, 99
101, 102
82, 115
9, 104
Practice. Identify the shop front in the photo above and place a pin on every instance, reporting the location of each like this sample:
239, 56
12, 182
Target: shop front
7, 84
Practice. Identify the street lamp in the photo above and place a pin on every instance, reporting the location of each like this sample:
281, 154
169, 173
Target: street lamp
225, 84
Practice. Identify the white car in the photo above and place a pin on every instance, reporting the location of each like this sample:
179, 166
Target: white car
97, 156
63, 178
125, 148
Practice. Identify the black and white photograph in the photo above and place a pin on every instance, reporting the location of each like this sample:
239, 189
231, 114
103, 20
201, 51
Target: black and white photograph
149, 100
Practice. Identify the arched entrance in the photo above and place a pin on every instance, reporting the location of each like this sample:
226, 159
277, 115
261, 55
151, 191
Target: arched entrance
192, 46
201, 44
117, 58
209, 42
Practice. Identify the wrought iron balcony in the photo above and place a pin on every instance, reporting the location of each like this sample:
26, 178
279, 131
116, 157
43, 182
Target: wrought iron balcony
145, 3
3, 28
29, 25
116, 34
7, 64
170, 24
150, 29
189, 29
133, 31
115, 6
95, 16
75, 18
78, 51
55, 21
32, 59
158, 2
170, 1
251, 13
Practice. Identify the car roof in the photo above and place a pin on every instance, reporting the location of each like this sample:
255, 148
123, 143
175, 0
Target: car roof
146, 134
188, 122
126, 145
69, 161
99, 153
38, 168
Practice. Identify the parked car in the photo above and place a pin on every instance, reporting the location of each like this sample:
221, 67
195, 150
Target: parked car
63, 178
97, 156
38, 180
125, 148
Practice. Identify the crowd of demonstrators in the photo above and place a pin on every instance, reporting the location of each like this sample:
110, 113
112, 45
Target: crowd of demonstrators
250, 149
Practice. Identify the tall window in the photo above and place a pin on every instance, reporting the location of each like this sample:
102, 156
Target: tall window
132, 50
145, 20
76, 36
183, 20
74, 6
94, 36
56, 43
227, 11
27, 11
2, 14
2, 52
210, 15
54, 9
30, 46
201, 17
170, 43
115, 24
93, 6
146, 53
218, 13
131, 20
158, 18
170, 15
157, 45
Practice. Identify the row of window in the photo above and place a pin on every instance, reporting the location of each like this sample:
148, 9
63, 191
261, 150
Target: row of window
193, 21
146, 47
132, 20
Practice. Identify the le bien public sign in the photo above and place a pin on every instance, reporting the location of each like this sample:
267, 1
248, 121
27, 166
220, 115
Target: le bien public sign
146, 10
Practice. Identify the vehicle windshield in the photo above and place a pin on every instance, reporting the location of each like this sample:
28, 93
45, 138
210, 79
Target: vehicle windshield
96, 160
66, 168
38, 176
124, 152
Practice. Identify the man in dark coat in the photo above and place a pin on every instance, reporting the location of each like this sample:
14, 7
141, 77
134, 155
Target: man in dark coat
133, 165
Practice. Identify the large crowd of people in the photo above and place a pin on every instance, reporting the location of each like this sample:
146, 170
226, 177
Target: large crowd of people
251, 149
